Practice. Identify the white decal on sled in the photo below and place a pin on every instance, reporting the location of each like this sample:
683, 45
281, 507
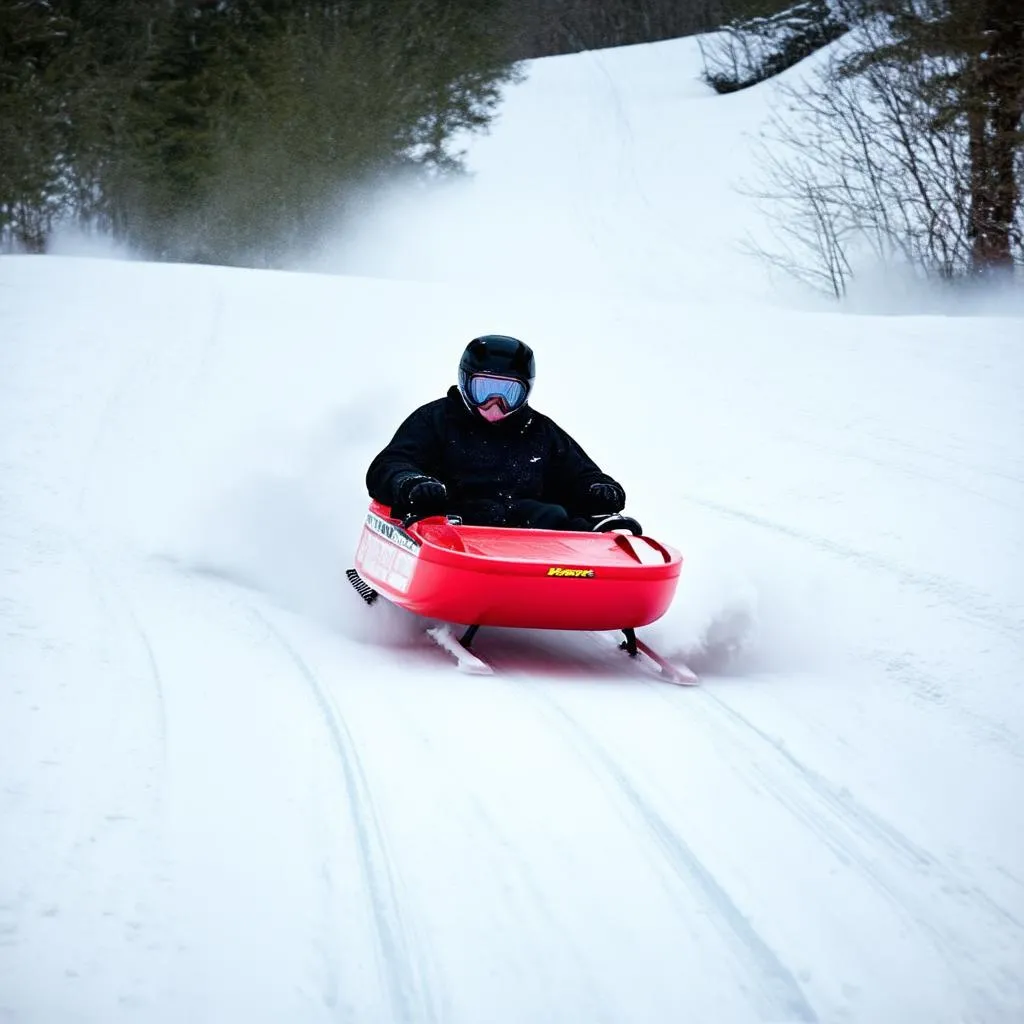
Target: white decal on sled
390, 532
384, 562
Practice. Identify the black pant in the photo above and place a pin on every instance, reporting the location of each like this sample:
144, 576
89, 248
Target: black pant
525, 512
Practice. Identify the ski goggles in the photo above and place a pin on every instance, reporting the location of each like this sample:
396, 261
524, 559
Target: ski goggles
481, 387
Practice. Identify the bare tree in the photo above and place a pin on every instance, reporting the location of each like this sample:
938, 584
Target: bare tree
894, 152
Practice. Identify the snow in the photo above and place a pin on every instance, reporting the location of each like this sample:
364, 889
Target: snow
229, 790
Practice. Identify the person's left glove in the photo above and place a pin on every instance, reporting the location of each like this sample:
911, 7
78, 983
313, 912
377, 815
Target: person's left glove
421, 496
606, 496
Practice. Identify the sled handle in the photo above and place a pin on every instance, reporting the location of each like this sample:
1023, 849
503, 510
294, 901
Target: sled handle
620, 523
416, 517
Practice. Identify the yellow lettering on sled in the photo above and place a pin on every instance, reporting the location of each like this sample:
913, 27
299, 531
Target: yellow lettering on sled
576, 574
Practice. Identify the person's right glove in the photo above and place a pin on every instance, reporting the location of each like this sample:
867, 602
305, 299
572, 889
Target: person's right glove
422, 496
606, 497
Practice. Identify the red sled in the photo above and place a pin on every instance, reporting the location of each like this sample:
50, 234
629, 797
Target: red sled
476, 576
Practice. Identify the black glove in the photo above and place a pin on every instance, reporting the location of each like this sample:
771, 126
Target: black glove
606, 497
421, 495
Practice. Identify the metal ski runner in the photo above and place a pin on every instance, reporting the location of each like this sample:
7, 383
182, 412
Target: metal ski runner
683, 675
649, 659
639, 652
444, 637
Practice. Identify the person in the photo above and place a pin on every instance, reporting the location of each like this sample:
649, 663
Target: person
484, 454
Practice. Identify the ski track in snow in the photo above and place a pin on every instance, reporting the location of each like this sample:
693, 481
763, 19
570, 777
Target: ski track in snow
106, 584
778, 995
973, 606
994, 622
928, 896
873, 846
504, 852
400, 954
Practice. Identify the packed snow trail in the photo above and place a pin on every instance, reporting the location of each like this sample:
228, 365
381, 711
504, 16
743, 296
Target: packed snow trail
230, 790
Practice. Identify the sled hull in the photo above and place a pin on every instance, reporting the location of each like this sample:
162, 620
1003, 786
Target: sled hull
541, 579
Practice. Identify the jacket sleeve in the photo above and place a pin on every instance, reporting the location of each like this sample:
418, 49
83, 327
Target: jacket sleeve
415, 450
570, 472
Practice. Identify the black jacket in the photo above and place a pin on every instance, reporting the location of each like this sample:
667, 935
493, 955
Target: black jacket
526, 455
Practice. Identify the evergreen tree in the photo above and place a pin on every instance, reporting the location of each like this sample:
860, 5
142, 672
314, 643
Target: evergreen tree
32, 45
227, 129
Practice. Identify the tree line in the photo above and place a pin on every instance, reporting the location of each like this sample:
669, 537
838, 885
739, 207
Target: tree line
225, 130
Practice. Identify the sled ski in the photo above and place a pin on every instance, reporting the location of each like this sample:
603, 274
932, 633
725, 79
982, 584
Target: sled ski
672, 672
683, 675
445, 638
637, 650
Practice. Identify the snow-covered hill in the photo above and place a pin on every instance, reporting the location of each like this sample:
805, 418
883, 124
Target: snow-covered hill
231, 792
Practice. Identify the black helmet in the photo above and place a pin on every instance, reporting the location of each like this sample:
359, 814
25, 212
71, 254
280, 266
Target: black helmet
496, 375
